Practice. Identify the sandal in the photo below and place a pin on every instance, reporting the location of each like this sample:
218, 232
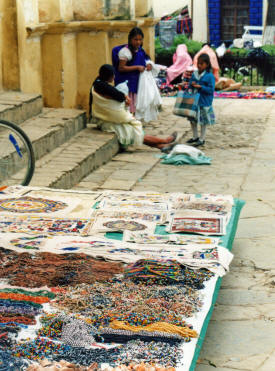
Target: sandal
192, 140
199, 143
174, 135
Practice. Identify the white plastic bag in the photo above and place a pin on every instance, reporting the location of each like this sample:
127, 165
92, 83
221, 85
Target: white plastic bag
123, 87
148, 98
221, 50
238, 43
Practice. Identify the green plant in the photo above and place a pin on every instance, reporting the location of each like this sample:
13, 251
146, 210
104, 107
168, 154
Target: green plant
257, 79
270, 49
238, 52
192, 46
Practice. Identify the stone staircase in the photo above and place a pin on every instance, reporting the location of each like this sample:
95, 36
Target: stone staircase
66, 150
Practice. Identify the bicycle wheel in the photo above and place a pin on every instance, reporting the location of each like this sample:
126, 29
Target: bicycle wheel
16, 155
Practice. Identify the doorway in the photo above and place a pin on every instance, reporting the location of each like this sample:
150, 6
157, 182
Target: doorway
234, 16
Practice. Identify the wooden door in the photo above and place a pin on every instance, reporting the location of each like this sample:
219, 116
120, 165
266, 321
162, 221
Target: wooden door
234, 15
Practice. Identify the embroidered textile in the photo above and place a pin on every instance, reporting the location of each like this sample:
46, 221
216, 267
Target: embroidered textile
135, 196
40, 225
211, 225
136, 205
158, 217
178, 239
30, 205
119, 225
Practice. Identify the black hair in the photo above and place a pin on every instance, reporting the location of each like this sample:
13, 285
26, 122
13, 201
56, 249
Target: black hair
106, 71
205, 58
133, 33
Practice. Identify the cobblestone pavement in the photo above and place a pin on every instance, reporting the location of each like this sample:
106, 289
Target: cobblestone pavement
241, 333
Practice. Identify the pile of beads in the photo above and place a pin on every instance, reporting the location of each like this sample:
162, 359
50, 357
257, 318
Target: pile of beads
141, 305
69, 330
154, 271
10, 363
19, 306
195, 278
150, 272
42, 348
138, 351
47, 269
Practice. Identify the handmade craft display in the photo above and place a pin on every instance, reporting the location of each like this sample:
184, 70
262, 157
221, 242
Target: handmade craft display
42, 225
217, 208
177, 239
212, 197
135, 205
196, 223
51, 270
135, 196
30, 205
102, 224
29, 243
136, 296
84, 200
158, 217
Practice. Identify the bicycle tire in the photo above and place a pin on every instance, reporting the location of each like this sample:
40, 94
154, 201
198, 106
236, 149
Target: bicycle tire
27, 143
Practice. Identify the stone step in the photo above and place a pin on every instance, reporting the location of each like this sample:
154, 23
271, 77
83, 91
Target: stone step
47, 131
18, 107
66, 165
52, 128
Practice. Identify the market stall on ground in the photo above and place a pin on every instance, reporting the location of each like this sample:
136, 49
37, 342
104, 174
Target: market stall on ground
110, 280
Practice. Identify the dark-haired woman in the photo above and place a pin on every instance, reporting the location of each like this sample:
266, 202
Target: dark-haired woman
129, 61
107, 108
204, 81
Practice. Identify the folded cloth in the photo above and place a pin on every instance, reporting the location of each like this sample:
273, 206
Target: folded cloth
183, 154
185, 159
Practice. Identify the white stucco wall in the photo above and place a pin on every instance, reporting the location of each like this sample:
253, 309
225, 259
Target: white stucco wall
163, 7
200, 25
265, 11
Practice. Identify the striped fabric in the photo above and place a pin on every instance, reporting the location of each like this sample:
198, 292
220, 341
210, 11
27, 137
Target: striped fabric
187, 104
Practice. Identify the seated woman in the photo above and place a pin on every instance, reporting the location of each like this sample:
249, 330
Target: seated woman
108, 112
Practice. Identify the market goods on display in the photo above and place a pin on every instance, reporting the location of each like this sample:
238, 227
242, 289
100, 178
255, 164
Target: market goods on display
108, 280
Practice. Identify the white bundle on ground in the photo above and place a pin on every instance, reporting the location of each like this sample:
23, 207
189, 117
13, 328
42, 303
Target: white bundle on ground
184, 149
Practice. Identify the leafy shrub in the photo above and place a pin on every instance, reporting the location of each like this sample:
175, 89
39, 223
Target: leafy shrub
192, 46
270, 49
195, 46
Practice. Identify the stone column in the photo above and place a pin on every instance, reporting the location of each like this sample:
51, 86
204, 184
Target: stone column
29, 48
59, 56
149, 41
52, 70
69, 70
9, 62
92, 51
